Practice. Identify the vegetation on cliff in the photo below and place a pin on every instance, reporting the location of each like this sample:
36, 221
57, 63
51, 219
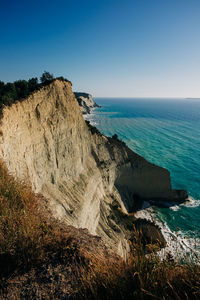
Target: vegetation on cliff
43, 259
92, 128
11, 92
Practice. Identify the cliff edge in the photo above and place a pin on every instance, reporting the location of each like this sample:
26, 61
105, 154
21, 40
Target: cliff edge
91, 181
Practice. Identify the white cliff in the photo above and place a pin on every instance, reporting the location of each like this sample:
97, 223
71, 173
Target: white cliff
86, 102
89, 180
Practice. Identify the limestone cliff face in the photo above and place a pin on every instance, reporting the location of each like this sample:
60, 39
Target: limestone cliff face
86, 102
82, 173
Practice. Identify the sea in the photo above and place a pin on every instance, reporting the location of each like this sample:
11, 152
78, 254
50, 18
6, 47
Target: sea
167, 133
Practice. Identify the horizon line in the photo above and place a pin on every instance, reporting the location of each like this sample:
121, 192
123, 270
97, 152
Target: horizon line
149, 97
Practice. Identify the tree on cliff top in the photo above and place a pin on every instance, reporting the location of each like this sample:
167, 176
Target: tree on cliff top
33, 84
46, 76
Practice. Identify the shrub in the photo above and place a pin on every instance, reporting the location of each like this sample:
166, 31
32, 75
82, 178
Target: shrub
115, 137
93, 129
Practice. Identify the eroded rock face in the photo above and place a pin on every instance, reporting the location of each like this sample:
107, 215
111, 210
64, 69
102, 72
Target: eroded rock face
82, 173
86, 102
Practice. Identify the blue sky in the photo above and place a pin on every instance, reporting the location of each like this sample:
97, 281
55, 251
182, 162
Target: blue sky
130, 48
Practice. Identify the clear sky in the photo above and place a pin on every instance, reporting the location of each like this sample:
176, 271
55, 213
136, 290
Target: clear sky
131, 48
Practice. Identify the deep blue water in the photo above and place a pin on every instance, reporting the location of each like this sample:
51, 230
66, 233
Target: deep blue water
167, 133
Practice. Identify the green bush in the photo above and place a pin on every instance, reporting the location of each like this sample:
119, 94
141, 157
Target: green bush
21, 89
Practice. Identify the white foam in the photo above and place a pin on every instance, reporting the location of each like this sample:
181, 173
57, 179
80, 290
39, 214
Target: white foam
91, 118
178, 244
146, 214
175, 208
191, 202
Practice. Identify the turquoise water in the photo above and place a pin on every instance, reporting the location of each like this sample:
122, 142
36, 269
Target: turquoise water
167, 133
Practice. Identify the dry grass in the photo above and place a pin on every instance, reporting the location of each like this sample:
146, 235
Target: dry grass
26, 237
143, 277
40, 259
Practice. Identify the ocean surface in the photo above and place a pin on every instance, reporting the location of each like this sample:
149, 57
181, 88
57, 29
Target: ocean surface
167, 133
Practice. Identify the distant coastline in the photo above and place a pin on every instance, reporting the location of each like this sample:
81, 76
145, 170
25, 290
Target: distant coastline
192, 98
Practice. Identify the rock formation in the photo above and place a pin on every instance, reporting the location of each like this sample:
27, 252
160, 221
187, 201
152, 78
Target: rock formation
86, 102
91, 181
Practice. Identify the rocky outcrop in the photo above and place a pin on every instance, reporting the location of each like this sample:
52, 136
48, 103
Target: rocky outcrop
82, 173
86, 102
